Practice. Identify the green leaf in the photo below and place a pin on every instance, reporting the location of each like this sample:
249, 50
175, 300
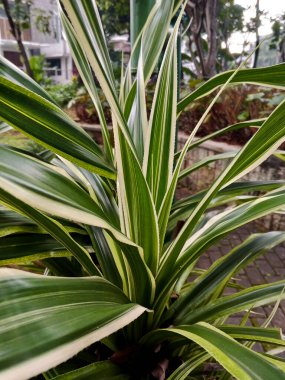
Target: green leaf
184, 207
98, 188
261, 146
12, 223
86, 74
110, 259
206, 161
154, 34
256, 334
41, 186
54, 228
52, 128
104, 370
47, 320
138, 216
272, 76
253, 297
217, 276
24, 248
189, 366
10, 71
137, 121
214, 229
85, 19
150, 42
229, 192
160, 142
239, 361
234, 127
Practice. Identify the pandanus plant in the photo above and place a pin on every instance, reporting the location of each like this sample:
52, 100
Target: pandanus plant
95, 271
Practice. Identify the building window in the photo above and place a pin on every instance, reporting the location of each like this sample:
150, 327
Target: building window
2, 12
53, 67
14, 57
35, 52
22, 12
56, 26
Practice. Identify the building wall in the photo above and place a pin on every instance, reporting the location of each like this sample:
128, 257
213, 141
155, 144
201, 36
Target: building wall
5, 33
49, 7
52, 45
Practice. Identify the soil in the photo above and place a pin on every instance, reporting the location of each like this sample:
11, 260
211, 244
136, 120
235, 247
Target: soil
239, 103
235, 105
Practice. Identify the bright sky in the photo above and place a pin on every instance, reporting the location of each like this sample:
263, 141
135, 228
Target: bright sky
272, 7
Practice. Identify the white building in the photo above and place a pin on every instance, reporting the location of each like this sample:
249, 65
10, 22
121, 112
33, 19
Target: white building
53, 46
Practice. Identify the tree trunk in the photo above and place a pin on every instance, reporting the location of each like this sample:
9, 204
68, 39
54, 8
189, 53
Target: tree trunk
203, 14
211, 28
25, 58
257, 39
194, 10
17, 33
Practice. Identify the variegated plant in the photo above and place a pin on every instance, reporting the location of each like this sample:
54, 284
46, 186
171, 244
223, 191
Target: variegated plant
97, 225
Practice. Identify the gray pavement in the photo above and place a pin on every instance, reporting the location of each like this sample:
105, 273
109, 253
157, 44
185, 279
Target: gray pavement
267, 268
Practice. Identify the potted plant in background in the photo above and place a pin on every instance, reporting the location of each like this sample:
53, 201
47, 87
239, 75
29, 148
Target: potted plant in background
106, 292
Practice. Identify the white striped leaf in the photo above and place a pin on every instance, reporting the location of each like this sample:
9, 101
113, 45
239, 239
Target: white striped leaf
261, 146
137, 121
85, 19
86, 75
13, 73
42, 187
23, 249
225, 306
256, 334
160, 142
51, 127
150, 42
171, 267
103, 370
182, 208
54, 228
271, 76
138, 216
47, 320
217, 276
241, 362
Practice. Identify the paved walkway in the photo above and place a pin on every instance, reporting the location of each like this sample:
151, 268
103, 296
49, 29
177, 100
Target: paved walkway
267, 268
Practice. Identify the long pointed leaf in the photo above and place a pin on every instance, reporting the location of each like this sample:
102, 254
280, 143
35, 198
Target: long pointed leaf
21, 249
54, 228
83, 67
13, 73
261, 146
239, 361
213, 230
223, 269
253, 297
41, 186
85, 19
50, 126
272, 76
160, 143
105, 370
151, 42
220, 132
139, 216
45, 321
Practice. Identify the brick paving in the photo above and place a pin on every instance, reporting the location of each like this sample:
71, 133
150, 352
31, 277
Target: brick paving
266, 268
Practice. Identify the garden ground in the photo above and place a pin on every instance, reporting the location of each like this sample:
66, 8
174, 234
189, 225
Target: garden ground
265, 269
